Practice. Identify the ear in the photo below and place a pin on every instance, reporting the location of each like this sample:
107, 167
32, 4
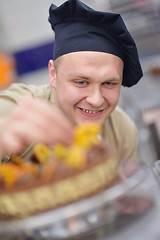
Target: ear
52, 73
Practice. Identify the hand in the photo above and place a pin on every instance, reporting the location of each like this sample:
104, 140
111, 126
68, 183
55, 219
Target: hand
33, 121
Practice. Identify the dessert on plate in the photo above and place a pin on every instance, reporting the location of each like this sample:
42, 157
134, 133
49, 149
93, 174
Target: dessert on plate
57, 176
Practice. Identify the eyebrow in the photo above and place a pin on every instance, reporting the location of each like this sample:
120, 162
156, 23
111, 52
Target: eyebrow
115, 78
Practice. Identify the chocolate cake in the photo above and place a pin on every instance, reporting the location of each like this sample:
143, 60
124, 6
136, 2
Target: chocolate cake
57, 176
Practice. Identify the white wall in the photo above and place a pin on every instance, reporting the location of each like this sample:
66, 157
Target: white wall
25, 23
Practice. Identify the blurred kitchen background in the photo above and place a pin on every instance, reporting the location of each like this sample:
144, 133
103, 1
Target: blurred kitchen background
26, 45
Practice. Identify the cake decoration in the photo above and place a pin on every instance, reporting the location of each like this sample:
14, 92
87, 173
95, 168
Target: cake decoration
57, 176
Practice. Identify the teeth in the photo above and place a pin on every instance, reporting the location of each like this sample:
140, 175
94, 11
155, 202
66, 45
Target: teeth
89, 111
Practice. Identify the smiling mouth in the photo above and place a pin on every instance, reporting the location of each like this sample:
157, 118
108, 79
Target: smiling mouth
90, 111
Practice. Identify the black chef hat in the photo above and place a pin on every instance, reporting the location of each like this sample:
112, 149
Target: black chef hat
78, 27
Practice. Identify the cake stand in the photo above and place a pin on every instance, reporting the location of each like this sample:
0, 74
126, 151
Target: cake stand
96, 217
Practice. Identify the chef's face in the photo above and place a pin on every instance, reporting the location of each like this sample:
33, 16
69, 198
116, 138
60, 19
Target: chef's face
86, 85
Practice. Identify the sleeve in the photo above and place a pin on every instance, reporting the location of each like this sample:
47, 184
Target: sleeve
11, 96
8, 99
17, 91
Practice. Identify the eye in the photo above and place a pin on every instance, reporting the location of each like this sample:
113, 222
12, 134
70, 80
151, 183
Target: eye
109, 84
80, 83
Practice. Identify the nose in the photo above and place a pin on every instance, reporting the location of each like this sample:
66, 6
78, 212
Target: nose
95, 98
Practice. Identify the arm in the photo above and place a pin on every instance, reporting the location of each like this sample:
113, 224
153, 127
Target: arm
32, 121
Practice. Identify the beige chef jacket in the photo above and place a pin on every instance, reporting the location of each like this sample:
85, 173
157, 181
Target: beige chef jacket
119, 130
